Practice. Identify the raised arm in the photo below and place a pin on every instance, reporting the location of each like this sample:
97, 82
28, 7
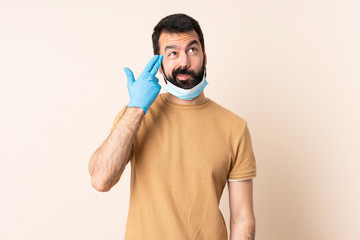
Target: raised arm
109, 160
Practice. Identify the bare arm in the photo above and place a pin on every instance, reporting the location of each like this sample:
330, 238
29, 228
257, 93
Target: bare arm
242, 219
109, 160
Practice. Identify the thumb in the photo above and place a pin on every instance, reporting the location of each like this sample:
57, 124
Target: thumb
130, 76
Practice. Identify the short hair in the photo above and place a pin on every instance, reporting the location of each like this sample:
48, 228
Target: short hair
176, 23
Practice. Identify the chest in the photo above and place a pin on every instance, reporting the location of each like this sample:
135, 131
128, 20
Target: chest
191, 149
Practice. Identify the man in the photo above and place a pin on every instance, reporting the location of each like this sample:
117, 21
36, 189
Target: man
183, 147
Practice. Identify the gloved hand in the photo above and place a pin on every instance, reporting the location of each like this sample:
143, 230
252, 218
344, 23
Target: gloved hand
146, 88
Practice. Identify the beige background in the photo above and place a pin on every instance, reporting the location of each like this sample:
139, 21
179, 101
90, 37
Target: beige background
290, 68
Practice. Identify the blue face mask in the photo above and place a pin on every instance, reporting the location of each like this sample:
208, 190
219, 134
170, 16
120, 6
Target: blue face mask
185, 94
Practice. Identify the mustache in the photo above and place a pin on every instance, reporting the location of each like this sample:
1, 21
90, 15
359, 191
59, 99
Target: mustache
177, 71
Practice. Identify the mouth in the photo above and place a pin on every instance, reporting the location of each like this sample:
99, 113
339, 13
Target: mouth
182, 77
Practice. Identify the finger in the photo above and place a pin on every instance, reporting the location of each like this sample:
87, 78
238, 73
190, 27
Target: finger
150, 64
156, 66
155, 80
130, 76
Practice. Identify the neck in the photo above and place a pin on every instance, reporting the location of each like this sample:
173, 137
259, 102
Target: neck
199, 99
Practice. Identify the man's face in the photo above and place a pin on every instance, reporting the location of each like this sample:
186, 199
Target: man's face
184, 60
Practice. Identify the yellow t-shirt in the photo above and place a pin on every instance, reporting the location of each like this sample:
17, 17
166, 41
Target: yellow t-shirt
183, 157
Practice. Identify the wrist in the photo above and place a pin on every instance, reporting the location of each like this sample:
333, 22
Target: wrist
137, 105
135, 110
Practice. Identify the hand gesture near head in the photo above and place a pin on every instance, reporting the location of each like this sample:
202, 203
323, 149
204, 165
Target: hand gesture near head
144, 90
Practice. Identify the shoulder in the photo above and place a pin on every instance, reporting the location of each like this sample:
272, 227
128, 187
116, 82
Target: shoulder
226, 115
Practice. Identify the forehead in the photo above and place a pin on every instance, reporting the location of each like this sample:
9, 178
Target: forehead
167, 38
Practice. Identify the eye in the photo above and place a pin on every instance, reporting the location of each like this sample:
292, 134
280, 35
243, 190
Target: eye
191, 50
172, 54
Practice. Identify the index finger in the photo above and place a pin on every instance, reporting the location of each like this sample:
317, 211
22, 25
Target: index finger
156, 66
151, 63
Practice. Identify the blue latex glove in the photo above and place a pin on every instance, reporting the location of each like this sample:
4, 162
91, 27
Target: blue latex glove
146, 88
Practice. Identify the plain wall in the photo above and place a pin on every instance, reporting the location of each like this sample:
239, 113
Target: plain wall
290, 68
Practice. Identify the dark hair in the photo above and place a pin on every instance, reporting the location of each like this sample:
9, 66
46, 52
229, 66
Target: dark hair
176, 23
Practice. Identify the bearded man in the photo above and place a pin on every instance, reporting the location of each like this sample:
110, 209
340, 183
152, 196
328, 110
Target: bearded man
183, 147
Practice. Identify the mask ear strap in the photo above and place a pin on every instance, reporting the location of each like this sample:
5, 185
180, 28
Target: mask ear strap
204, 75
163, 73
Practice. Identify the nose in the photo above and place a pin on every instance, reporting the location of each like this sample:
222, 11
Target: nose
184, 61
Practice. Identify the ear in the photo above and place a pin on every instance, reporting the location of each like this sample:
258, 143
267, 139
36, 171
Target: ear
205, 56
160, 68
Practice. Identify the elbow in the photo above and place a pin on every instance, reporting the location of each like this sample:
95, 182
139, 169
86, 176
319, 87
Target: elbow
100, 186
248, 219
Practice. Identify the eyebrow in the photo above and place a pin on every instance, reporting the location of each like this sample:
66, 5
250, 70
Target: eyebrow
188, 45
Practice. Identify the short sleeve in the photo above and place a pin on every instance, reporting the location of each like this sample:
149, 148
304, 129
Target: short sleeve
244, 165
117, 118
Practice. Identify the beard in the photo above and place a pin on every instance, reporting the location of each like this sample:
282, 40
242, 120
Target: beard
193, 80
